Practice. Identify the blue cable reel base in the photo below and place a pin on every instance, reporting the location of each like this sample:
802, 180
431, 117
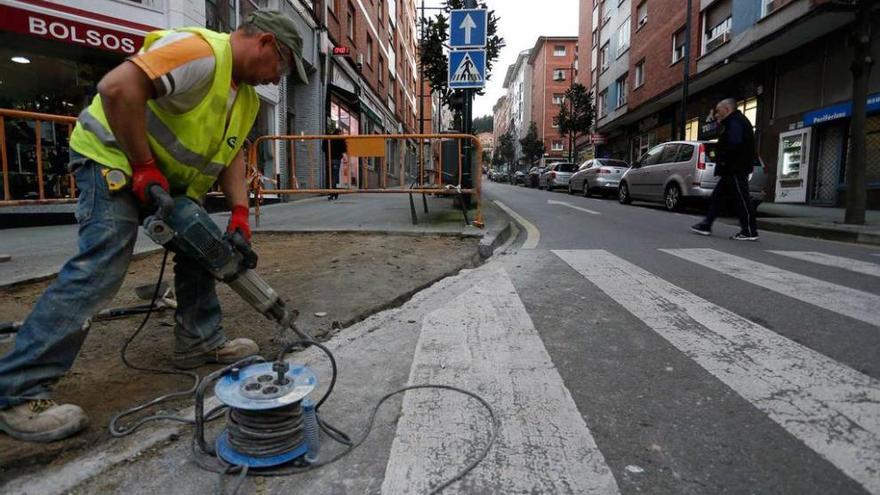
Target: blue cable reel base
255, 388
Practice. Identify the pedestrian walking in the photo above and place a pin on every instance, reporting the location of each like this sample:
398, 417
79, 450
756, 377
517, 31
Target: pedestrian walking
175, 115
734, 158
337, 150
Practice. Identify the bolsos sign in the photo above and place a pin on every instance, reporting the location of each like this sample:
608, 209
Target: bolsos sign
68, 31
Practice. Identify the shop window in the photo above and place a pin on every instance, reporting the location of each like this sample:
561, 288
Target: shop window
640, 74
749, 108
623, 37
678, 40
692, 129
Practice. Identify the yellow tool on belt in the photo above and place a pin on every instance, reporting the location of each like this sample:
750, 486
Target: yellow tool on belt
116, 179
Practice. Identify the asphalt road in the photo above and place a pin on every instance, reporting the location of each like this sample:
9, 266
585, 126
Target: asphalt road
621, 354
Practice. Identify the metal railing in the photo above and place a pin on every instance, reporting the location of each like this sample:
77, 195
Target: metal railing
27, 154
377, 164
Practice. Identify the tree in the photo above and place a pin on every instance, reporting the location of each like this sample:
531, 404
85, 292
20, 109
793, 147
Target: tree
505, 152
483, 124
433, 59
576, 115
532, 147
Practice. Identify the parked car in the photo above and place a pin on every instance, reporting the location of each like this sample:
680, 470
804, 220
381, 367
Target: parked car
677, 172
519, 178
557, 175
534, 176
600, 175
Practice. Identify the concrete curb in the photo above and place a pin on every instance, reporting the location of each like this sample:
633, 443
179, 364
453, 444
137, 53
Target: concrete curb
820, 232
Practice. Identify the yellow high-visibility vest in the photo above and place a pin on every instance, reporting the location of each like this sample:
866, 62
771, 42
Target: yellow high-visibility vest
191, 148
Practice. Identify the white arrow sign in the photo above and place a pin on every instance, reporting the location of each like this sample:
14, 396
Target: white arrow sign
591, 212
467, 24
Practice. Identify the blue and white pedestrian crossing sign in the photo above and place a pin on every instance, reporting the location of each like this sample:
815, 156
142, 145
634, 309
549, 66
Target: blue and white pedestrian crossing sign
467, 28
467, 69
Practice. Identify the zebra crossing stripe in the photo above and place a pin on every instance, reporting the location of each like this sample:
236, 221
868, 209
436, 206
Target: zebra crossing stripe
850, 264
484, 341
854, 303
831, 408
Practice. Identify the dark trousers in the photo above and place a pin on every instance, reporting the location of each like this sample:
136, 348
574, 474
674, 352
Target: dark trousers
737, 188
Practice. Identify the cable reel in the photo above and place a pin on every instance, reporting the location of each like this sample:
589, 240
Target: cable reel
270, 421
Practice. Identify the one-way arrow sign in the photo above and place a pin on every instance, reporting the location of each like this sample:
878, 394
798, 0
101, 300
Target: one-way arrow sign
467, 69
467, 28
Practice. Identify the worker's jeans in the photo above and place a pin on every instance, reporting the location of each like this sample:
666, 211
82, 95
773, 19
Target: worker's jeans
53, 333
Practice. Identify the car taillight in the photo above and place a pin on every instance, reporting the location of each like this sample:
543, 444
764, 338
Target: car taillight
701, 160
552, 175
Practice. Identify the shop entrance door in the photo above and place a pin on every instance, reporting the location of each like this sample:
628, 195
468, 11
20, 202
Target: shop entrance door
828, 159
793, 166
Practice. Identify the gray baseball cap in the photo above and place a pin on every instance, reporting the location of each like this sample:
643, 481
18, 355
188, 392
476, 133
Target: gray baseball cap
273, 21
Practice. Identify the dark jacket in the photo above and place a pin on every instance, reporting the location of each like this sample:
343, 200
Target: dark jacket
735, 154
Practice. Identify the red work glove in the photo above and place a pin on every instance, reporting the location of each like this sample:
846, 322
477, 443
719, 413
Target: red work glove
239, 221
143, 175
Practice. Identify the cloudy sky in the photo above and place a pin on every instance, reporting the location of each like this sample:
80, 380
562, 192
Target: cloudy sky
520, 23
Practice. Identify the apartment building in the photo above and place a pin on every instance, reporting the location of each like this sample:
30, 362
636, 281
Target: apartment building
552, 62
786, 62
500, 118
518, 83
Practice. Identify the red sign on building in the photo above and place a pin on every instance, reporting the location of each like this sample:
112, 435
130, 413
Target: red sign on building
67, 30
341, 50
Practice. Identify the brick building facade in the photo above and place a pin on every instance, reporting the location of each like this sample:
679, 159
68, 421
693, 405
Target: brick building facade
552, 62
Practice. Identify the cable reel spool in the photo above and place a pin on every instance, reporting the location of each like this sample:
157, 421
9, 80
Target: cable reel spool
270, 420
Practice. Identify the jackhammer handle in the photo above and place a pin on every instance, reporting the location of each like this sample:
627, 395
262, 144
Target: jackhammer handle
162, 200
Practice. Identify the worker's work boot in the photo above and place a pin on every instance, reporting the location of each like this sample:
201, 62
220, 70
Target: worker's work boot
230, 352
42, 420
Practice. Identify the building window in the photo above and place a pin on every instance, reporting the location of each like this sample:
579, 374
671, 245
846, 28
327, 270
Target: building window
606, 13
558, 98
369, 50
381, 70
678, 46
621, 89
642, 14
381, 9
351, 22
557, 145
623, 37
602, 107
640, 74
604, 55
716, 25
555, 122
331, 6
558, 75
559, 51
768, 6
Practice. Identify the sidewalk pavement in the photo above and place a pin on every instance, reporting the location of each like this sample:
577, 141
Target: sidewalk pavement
816, 221
38, 252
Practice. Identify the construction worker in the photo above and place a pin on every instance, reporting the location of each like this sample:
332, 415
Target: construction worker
175, 115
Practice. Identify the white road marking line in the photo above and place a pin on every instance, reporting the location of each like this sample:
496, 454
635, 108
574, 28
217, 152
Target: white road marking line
484, 341
563, 203
850, 264
533, 235
831, 408
854, 303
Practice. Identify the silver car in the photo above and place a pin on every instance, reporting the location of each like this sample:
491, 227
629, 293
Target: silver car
600, 175
556, 175
676, 172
